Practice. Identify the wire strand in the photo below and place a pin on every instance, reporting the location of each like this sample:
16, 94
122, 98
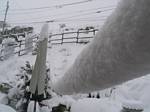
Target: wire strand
79, 15
34, 12
55, 6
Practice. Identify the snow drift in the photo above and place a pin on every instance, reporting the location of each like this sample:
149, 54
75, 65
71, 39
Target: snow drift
95, 105
118, 53
5, 108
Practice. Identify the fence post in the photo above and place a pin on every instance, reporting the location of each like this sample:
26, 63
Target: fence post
62, 38
94, 32
49, 41
19, 52
28, 43
37, 37
1, 45
8, 50
77, 37
132, 106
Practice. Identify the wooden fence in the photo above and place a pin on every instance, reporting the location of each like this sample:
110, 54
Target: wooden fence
73, 37
81, 37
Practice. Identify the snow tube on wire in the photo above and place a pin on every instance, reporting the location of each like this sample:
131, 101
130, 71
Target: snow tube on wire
119, 52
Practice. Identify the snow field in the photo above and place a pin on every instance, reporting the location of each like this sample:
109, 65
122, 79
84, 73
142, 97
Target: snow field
59, 59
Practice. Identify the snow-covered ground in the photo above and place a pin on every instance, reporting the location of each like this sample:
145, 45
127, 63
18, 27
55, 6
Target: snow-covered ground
4, 108
133, 94
59, 58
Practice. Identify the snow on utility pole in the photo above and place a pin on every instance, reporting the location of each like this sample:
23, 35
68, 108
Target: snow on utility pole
4, 23
37, 82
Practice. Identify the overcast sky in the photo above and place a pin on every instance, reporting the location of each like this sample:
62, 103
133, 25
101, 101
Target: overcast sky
73, 15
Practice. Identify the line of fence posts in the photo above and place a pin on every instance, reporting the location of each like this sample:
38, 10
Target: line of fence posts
8, 46
28, 43
77, 37
29, 40
62, 38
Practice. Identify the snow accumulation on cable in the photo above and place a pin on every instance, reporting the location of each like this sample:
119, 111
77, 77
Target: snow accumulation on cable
118, 53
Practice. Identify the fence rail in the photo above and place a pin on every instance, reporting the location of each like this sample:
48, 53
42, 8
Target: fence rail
55, 39
74, 37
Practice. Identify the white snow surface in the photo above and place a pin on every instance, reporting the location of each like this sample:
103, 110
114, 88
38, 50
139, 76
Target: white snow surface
5, 108
95, 105
60, 58
3, 98
55, 101
11, 67
137, 105
9, 40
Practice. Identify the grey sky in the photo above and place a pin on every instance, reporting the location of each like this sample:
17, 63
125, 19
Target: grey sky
27, 16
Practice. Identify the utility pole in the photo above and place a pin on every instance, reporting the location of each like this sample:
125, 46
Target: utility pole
4, 23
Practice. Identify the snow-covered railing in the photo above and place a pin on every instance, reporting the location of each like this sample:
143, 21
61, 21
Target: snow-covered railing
21, 47
61, 38
80, 36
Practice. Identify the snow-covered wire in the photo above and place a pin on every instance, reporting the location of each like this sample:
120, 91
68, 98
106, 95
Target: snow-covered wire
54, 6
63, 19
